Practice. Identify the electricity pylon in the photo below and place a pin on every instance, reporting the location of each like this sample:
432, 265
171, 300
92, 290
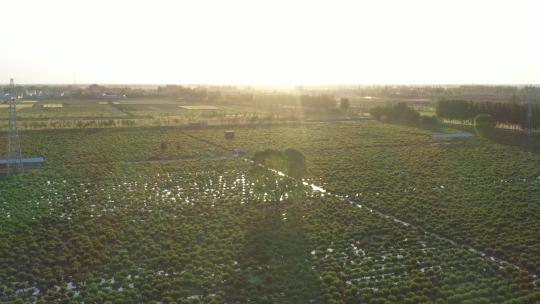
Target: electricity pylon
14, 158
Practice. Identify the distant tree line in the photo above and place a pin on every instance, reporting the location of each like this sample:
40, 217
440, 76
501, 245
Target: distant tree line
399, 112
510, 113
188, 93
318, 101
402, 113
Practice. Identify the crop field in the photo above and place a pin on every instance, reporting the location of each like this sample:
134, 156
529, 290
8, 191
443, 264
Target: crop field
201, 107
170, 215
96, 113
63, 111
19, 107
53, 105
477, 192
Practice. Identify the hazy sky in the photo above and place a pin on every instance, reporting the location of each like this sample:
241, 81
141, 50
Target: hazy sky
270, 42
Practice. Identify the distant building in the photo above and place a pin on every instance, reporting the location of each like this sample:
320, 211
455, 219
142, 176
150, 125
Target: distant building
35, 94
111, 96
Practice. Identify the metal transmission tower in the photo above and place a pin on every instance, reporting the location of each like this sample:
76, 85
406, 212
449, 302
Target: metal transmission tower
14, 159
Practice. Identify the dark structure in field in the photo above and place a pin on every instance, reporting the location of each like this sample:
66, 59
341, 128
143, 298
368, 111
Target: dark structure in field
28, 163
229, 134
14, 163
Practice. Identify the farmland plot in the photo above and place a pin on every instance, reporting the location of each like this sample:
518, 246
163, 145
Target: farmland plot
104, 222
213, 232
475, 191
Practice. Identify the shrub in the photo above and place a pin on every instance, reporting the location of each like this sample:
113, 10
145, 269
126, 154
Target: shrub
484, 124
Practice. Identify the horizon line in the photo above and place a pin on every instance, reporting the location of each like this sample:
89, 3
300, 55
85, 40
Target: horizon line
270, 84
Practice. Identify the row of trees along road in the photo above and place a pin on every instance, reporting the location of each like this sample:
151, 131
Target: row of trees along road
509, 113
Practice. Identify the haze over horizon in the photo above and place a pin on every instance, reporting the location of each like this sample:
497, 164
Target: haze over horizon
270, 42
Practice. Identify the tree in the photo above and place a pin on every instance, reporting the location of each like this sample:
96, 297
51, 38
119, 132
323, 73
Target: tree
455, 109
344, 104
429, 121
510, 113
296, 163
292, 166
320, 102
484, 124
271, 158
399, 112
289, 161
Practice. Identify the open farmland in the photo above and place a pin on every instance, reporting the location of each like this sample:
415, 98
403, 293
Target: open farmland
475, 191
167, 214
201, 107
141, 112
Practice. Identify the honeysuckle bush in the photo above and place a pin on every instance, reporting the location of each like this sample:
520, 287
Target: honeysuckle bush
101, 146
476, 191
204, 232
104, 224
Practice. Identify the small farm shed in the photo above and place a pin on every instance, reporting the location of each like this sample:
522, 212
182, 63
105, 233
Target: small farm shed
229, 134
